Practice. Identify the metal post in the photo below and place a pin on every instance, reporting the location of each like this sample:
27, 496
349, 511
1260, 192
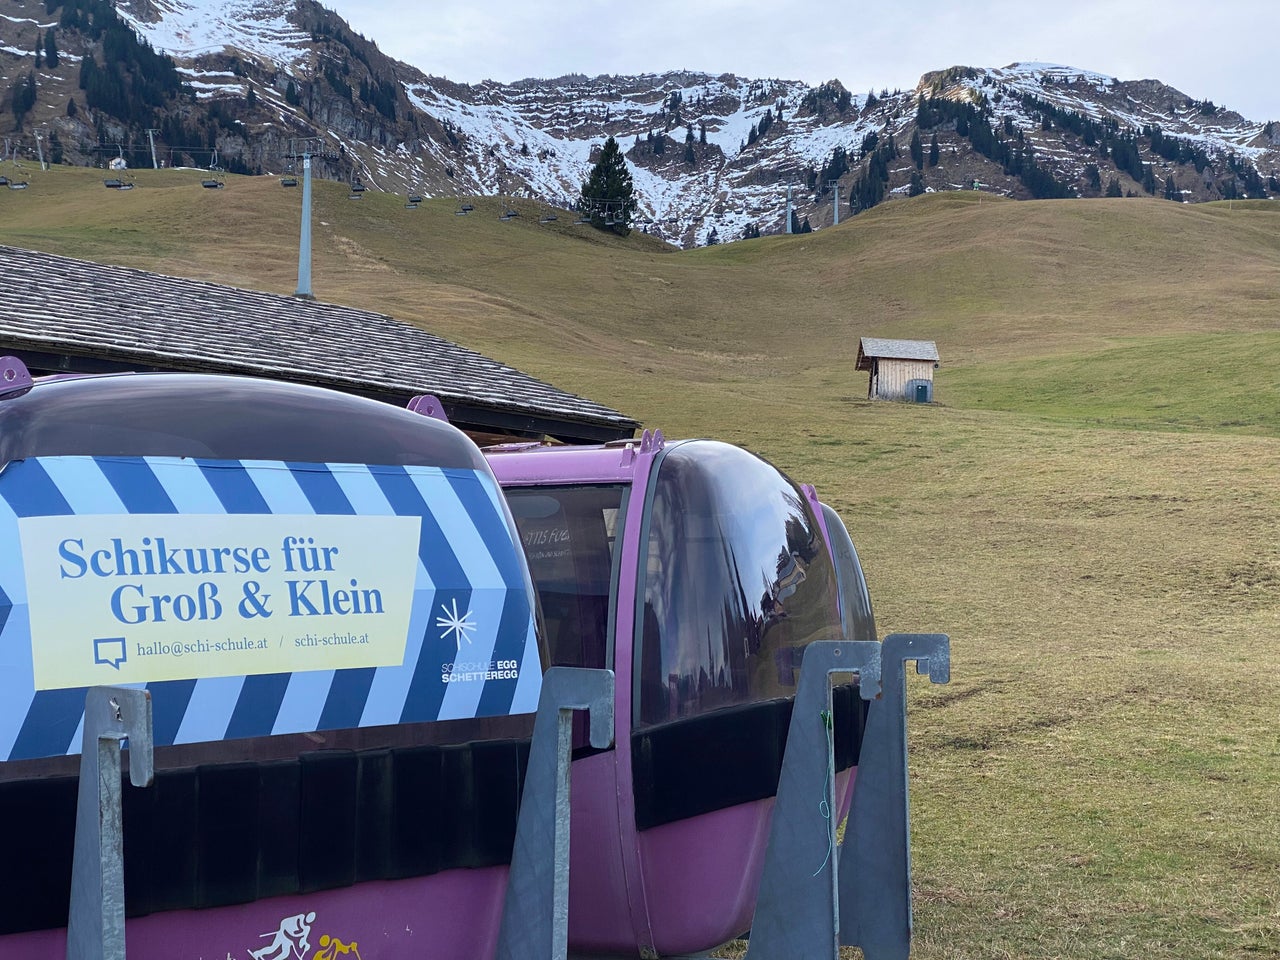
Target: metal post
112, 715
535, 913
796, 909
835, 202
151, 136
304, 238
40, 152
875, 861
788, 208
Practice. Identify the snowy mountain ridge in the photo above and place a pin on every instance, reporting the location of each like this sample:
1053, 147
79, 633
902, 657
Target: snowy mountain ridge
710, 156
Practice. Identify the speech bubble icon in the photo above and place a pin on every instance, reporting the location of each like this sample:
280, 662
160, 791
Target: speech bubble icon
109, 650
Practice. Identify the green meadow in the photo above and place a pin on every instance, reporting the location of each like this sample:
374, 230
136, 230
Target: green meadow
1090, 510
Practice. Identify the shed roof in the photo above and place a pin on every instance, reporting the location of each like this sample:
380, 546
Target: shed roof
62, 314
882, 349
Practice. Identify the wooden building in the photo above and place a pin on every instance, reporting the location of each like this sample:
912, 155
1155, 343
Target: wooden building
899, 369
59, 315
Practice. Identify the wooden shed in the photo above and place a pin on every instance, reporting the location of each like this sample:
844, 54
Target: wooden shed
899, 369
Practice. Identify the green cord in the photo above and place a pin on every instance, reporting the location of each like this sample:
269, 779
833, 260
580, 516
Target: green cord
824, 806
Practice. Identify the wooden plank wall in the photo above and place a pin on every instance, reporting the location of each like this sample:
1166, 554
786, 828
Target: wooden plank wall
891, 381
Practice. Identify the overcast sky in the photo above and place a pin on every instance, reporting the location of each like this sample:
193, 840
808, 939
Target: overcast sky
1222, 51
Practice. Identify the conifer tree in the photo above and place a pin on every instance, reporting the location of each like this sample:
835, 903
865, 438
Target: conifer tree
50, 50
39, 51
608, 193
1113, 188
917, 150
23, 97
933, 151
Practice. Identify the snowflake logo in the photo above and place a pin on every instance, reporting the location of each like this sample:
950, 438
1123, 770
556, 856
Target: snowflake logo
454, 623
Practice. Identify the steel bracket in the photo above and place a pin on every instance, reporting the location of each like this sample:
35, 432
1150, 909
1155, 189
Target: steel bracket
535, 913
796, 906
875, 861
112, 716
814, 896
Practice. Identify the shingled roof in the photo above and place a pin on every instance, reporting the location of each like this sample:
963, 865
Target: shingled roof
61, 314
884, 349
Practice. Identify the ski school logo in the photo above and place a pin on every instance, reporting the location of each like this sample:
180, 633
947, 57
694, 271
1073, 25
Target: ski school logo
291, 941
452, 622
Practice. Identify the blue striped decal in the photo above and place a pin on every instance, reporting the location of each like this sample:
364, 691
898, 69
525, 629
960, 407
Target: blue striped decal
349, 691
258, 706
233, 485
515, 610
85, 486
33, 492
348, 695
321, 488
209, 713
510, 646
138, 488
260, 697
426, 692
169, 702
466, 557
52, 719
15, 655
51, 723
140, 491
492, 526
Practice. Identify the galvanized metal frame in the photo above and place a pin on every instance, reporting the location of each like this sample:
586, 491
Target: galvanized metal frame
875, 861
112, 716
814, 896
796, 907
535, 913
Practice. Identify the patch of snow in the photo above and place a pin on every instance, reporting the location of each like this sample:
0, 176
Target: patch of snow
42, 26
188, 28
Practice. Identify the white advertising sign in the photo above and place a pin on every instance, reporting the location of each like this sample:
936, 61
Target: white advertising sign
151, 597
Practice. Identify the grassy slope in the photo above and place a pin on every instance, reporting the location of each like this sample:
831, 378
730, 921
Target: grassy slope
1102, 776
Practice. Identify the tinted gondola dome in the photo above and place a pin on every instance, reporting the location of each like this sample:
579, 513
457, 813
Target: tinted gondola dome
223, 417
